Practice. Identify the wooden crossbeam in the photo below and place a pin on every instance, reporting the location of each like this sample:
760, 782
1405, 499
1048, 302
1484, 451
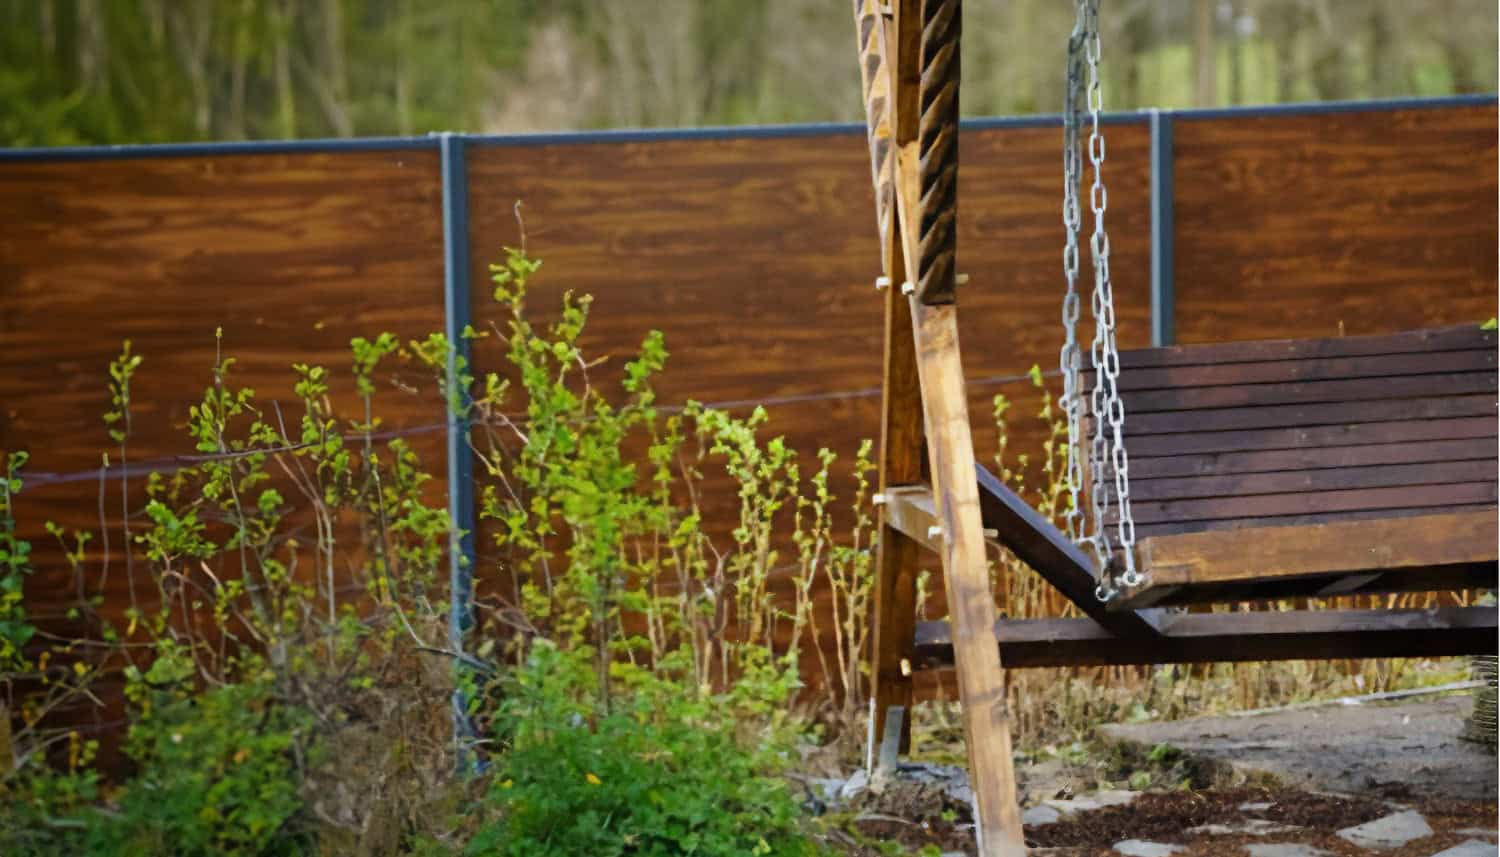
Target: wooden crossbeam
910, 509
1230, 637
1427, 552
1011, 523
1048, 551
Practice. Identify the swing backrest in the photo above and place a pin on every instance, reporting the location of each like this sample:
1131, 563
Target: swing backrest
1271, 433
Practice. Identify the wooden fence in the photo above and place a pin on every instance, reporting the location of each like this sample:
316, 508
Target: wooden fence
753, 250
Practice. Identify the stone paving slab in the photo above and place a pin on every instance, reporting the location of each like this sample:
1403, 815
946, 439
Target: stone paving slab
1407, 749
1284, 849
1139, 848
1471, 848
1391, 831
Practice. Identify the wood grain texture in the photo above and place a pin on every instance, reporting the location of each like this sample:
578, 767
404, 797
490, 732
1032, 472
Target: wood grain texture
1304, 392
902, 461
1301, 370
1169, 526
729, 246
290, 254
971, 606
1312, 225
756, 237
1192, 638
1037, 542
903, 458
733, 247
1317, 432
1315, 347
1143, 471
1415, 545
1334, 435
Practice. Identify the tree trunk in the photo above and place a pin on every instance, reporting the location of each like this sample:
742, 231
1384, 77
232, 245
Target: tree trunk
48, 25
1134, 37
336, 100
286, 98
404, 44
1382, 58
1205, 55
1236, 55
1282, 25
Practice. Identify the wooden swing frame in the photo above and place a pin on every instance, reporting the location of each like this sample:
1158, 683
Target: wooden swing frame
935, 497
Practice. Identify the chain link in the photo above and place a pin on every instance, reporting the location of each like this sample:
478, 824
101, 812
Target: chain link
1070, 359
1107, 444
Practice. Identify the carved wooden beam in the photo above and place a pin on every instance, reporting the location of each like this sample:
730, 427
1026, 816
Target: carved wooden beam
937, 146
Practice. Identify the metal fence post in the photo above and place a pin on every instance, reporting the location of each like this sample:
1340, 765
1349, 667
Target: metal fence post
460, 456
1163, 269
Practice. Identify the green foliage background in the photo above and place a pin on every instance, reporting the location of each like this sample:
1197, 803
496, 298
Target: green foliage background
133, 71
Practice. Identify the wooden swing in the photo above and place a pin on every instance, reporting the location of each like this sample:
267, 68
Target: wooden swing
1297, 468
1256, 471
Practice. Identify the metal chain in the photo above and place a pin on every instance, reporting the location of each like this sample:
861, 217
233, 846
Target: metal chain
1106, 405
1070, 359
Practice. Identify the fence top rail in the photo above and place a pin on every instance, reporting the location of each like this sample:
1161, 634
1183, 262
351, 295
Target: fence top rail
430, 142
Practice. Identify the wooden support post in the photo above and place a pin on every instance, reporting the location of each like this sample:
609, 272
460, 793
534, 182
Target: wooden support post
901, 445
981, 684
909, 68
901, 441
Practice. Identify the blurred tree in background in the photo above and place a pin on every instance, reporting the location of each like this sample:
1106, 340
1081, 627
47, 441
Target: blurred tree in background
117, 71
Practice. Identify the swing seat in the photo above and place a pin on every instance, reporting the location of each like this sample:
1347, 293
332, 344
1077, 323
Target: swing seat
1312, 468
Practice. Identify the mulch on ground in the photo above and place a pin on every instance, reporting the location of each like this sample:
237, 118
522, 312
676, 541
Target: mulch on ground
1168, 816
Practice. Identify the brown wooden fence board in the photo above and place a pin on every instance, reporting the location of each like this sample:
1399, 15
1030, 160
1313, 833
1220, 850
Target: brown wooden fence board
756, 256
291, 254
1292, 225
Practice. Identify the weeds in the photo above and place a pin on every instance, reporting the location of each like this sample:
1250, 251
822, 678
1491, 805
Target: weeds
284, 611
636, 682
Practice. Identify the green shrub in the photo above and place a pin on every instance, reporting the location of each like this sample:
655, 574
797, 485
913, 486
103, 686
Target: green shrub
295, 566
643, 780
216, 774
47, 813
15, 630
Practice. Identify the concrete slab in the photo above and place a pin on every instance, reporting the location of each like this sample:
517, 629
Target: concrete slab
1400, 750
1285, 849
1391, 831
1472, 848
1092, 801
1038, 816
1141, 848
1248, 827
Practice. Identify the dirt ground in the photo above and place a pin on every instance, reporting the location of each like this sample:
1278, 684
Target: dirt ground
1170, 817
1289, 777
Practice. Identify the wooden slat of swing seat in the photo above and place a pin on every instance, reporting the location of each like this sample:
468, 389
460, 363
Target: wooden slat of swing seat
1461, 337
1427, 552
1302, 370
1265, 470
